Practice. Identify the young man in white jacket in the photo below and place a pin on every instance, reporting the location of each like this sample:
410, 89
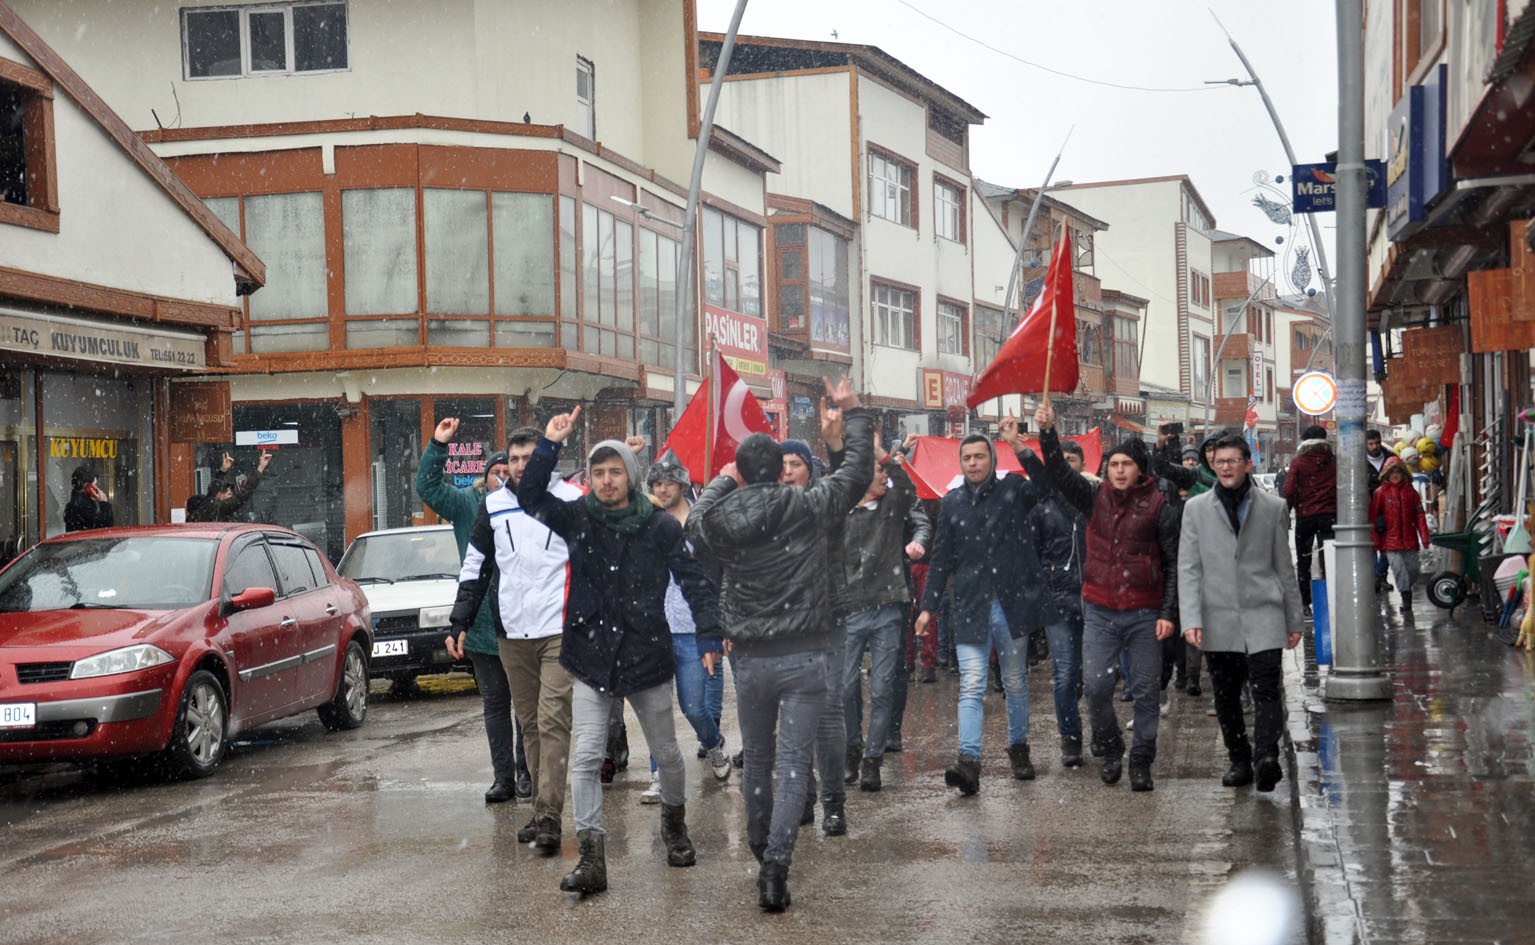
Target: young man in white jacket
529, 567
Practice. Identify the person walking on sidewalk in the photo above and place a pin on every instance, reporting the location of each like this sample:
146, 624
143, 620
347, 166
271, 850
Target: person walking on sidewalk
1311, 489
985, 541
617, 645
458, 506
1400, 526
1129, 593
1240, 604
873, 606
771, 540
1375, 455
527, 565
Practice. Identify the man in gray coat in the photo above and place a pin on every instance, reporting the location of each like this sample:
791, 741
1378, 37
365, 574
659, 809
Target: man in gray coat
1240, 604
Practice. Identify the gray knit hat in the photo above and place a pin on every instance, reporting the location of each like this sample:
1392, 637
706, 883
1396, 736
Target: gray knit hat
631, 465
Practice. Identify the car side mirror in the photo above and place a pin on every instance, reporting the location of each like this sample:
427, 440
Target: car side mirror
251, 598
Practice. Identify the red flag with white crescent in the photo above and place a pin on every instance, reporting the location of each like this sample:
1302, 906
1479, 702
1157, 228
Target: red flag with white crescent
737, 415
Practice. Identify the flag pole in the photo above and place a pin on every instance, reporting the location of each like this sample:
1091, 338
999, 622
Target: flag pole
1050, 288
712, 402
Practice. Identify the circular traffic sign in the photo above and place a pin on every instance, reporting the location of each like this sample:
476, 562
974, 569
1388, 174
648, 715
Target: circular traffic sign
1315, 393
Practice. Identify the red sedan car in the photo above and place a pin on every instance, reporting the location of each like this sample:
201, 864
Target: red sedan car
169, 640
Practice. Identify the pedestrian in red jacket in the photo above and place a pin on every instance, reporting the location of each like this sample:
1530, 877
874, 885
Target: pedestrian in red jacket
1311, 490
1401, 528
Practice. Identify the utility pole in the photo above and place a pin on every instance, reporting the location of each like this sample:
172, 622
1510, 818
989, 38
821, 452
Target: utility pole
1356, 673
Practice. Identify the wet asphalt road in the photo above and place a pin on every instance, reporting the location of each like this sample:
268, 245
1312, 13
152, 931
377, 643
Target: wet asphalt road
380, 835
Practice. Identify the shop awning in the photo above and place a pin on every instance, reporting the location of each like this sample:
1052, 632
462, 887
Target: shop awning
1124, 424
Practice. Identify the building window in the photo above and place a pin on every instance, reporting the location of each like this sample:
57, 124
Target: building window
1199, 367
1083, 243
890, 181
607, 252
949, 210
586, 97
1089, 344
990, 329
951, 329
658, 301
1122, 352
732, 263
378, 231
895, 317
814, 288
28, 175
1199, 289
270, 39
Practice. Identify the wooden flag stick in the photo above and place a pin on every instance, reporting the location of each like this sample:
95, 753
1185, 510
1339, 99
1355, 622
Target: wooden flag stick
1050, 339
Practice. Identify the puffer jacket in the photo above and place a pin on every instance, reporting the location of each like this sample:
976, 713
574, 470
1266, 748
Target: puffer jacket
985, 541
1397, 506
872, 560
771, 541
1060, 537
617, 639
1311, 488
458, 507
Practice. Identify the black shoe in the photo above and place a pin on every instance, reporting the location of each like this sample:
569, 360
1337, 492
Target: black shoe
1111, 770
674, 834
1406, 601
500, 792
868, 775
833, 819
547, 838
1140, 777
773, 887
702, 752
964, 774
591, 872
523, 785
735, 759
1126, 696
1023, 768
1194, 689
893, 744
620, 749
528, 831
1267, 773
1239, 774
1071, 752
609, 769
808, 817
850, 763
927, 675
996, 680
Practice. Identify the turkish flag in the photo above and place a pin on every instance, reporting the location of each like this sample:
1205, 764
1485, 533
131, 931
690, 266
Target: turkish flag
1019, 367
725, 411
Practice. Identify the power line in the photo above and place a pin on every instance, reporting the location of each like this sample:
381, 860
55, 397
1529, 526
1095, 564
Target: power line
1066, 75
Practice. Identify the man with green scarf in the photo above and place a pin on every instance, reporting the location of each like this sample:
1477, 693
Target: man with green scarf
623, 553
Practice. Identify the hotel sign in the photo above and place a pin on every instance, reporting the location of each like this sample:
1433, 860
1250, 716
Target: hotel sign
100, 342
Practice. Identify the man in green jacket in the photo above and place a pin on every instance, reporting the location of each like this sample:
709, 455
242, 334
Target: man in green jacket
458, 506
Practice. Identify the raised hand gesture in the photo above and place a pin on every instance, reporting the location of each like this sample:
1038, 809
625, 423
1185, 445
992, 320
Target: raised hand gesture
636, 445
1044, 417
263, 462
833, 429
227, 464
561, 425
446, 428
1009, 430
842, 395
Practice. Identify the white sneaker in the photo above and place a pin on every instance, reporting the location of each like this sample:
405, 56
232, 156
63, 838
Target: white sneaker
652, 794
719, 762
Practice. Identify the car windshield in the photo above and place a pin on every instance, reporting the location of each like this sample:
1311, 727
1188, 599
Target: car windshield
402, 556
129, 573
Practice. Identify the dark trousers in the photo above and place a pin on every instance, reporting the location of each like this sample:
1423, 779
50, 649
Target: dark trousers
1228, 671
1309, 529
496, 697
1179, 657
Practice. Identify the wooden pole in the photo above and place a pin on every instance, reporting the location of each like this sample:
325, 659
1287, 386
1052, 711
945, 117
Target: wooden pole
1050, 339
711, 401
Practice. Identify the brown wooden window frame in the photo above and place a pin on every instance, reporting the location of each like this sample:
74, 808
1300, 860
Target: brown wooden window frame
961, 197
41, 210
875, 284
913, 206
964, 325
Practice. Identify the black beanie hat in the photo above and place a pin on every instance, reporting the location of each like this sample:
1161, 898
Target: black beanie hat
1134, 448
759, 459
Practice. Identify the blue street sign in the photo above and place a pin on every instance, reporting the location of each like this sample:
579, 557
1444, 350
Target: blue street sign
1314, 187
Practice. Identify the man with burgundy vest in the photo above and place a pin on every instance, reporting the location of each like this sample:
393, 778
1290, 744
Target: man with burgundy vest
1129, 592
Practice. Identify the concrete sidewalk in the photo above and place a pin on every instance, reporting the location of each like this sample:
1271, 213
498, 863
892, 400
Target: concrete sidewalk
1416, 816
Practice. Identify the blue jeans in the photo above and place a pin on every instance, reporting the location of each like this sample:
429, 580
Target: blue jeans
878, 629
972, 684
692, 690
1065, 638
779, 704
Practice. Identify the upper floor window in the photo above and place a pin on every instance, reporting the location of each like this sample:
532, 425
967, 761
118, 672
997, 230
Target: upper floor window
1121, 354
28, 185
948, 210
890, 182
1199, 289
895, 317
1083, 261
990, 328
269, 39
732, 263
951, 328
586, 97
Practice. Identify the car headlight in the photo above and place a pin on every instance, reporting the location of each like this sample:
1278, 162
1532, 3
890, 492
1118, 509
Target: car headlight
125, 660
434, 616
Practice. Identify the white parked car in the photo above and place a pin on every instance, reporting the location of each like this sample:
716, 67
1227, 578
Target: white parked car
410, 576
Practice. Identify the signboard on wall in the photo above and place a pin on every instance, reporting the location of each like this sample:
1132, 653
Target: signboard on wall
201, 413
942, 389
1259, 391
287, 437
741, 339
99, 342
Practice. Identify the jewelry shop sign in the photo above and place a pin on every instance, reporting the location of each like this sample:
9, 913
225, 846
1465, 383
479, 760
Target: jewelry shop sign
99, 342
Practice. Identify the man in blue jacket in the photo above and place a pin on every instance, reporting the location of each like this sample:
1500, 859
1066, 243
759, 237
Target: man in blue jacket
618, 645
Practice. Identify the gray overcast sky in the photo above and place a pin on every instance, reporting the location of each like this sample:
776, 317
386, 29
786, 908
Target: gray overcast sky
1219, 137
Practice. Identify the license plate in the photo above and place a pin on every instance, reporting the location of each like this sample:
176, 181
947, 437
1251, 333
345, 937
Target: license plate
391, 648
18, 715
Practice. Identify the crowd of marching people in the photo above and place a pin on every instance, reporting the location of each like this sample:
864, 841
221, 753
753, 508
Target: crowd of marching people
793, 569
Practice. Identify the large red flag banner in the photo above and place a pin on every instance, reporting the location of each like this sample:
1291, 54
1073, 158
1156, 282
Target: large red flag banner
1032, 360
934, 462
721, 414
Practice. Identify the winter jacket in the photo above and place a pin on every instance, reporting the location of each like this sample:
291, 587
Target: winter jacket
458, 507
616, 636
985, 542
1167, 463
771, 541
526, 564
1397, 506
1238, 587
1132, 538
871, 562
83, 512
214, 509
1372, 473
1311, 488
1060, 537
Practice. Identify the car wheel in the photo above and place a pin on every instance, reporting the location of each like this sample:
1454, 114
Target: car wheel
350, 706
1446, 589
199, 738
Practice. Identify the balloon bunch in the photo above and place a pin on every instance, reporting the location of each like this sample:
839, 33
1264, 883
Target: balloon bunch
1421, 450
